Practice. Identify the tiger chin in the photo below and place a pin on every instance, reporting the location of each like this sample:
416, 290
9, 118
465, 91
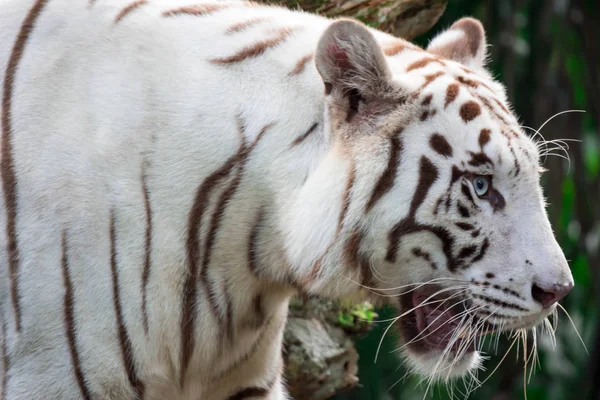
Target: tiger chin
172, 174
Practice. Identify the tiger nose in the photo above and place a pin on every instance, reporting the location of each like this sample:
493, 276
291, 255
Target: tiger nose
548, 295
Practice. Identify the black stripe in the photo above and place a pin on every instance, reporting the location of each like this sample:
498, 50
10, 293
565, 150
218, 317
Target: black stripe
215, 223
498, 302
70, 324
246, 356
515, 161
229, 329
5, 362
440, 145
306, 134
211, 236
464, 211
253, 243
346, 198
124, 340
9, 178
464, 226
201, 203
387, 178
467, 192
147, 250
428, 174
188, 301
467, 251
249, 392
353, 259
482, 251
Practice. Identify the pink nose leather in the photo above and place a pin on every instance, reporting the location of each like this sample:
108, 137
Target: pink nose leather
549, 295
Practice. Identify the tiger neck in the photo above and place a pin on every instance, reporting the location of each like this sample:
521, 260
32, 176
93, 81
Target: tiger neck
301, 231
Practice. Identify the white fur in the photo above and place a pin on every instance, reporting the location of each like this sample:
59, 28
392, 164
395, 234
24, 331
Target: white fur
95, 100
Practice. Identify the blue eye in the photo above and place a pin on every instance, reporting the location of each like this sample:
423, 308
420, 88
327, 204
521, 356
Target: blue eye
481, 184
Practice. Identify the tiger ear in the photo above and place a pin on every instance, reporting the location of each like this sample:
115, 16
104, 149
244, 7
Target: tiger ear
464, 42
351, 63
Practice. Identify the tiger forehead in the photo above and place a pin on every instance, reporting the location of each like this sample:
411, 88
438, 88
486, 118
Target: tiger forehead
450, 84
446, 87
467, 95
432, 69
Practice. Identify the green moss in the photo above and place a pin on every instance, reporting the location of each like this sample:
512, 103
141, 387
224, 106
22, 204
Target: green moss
356, 317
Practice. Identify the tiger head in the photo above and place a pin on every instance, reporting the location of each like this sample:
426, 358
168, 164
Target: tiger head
442, 212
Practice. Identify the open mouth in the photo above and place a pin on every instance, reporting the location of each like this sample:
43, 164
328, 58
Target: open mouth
439, 320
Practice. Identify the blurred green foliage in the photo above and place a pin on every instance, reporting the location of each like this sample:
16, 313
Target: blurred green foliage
547, 53
357, 314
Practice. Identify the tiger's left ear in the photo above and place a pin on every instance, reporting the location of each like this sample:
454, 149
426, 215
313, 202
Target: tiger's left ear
464, 42
352, 66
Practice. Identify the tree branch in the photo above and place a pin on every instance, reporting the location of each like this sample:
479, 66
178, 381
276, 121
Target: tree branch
402, 18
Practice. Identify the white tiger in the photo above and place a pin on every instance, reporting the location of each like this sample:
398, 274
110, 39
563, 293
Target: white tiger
173, 172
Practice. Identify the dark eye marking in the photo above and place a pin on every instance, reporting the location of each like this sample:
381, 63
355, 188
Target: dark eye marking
464, 226
496, 199
467, 251
463, 211
482, 250
438, 203
420, 253
448, 202
493, 196
480, 158
467, 192
456, 174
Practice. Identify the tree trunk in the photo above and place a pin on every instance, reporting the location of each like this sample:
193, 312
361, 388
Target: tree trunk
402, 18
319, 352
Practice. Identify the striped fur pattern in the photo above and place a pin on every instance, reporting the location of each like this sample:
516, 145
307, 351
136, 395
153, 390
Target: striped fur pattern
174, 171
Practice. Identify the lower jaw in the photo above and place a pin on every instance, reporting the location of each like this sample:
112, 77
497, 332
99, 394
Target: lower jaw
439, 365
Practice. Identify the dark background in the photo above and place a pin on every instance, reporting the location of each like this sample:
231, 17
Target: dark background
547, 53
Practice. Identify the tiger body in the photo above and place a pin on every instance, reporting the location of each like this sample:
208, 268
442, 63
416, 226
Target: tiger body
172, 174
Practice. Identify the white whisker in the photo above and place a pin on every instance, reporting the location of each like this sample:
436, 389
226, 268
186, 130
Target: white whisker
500, 363
417, 284
556, 115
574, 327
